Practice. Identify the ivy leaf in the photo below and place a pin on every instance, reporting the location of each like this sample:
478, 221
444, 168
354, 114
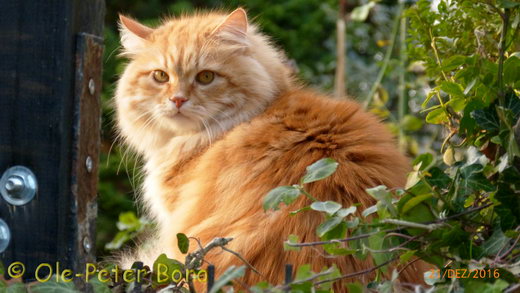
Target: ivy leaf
320, 170
487, 119
285, 194
229, 275
438, 178
474, 180
494, 243
328, 225
330, 207
183, 243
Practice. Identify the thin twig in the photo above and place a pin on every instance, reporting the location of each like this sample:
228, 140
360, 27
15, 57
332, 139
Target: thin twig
243, 260
361, 236
309, 279
367, 271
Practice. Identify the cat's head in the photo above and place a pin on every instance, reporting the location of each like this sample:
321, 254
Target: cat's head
194, 75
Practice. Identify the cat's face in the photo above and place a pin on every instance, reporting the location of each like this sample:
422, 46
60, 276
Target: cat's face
191, 75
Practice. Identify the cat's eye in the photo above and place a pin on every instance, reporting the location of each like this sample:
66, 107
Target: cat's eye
205, 77
160, 76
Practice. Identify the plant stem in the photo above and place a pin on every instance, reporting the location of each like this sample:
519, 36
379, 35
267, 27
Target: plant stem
501, 52
388, 54
307, 194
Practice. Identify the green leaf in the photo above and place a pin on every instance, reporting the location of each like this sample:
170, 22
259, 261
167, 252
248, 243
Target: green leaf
453, 62
415, 201
457, 104
508, 3
128, 221
356, 287
229, 275
346, 212
405, 257
511, 70
98, 286
411, 123
285, 194
368, 211
452, 88
183, 243
328, 225
424, 159
474, 180
360, 13
384, 196
437, 116
330, 207
486, 119
292, 239
437, 177
320, 170
168, 265
16, 288
52, 286
495, 243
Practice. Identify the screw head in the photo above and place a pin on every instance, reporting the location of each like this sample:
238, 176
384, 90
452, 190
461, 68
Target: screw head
91, 86
5, 235
86, 244
89, 164
18, 185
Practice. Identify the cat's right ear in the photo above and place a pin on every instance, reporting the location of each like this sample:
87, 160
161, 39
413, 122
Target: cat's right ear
133, 34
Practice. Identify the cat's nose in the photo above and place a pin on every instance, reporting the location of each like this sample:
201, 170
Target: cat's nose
178, 101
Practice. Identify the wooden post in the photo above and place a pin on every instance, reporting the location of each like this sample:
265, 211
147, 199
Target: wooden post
50, 85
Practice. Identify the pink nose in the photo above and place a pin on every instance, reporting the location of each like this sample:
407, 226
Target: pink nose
178, 101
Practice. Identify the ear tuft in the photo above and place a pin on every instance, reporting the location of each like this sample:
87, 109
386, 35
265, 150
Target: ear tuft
234, 26
133, 34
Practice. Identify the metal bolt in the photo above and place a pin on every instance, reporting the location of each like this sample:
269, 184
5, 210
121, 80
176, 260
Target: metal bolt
18, 185
5, 236
14, 184
91, 86
86, 244
89, 164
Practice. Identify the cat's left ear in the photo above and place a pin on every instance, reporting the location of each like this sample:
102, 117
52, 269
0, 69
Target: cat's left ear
234, 27
133, 34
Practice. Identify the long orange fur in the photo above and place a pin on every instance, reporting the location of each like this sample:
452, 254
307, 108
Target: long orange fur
209, 165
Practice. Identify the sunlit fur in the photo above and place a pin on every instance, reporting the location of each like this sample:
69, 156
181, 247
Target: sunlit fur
252, 129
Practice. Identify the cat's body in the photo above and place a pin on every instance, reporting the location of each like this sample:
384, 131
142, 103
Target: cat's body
260, 130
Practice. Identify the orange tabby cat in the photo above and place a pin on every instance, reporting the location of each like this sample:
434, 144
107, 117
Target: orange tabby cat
208, 102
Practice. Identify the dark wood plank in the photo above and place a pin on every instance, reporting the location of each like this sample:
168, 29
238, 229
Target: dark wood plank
38, 100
